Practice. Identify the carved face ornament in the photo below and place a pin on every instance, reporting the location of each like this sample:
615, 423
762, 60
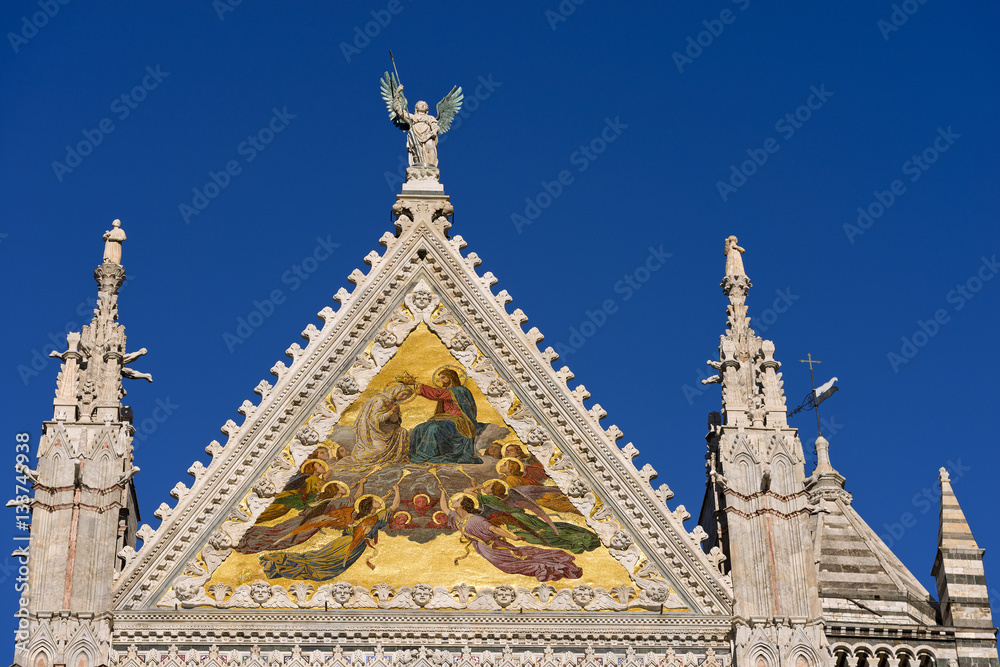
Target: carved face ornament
260, 592
583, 595
422, 594
347, 385
264, 488
342, 592
461, 341
504, 595
386, 339
422, 299
221, 541
186, 590
308, 436
577, 489
621, 541
657, 593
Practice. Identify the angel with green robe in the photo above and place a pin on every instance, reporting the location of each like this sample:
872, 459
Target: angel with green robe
330, 561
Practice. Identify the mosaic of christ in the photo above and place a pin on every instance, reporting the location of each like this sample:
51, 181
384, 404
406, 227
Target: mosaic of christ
421, 481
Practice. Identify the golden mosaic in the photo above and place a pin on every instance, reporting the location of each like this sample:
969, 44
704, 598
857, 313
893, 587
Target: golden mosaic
420, 481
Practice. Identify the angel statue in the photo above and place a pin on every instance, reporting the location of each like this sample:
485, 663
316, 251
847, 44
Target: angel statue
422, 129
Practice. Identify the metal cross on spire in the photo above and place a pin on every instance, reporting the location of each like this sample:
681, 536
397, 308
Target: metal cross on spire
812, 376
809, 360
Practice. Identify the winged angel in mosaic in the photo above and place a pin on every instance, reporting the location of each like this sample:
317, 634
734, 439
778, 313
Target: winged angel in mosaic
422, 129
420, 475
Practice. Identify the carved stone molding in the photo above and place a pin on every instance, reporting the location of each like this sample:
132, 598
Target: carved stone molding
463, 654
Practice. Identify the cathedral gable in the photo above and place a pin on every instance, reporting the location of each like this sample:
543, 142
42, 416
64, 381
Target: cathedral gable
421, 452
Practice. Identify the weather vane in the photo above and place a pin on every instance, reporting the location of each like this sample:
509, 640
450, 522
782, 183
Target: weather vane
422, 129
817, 395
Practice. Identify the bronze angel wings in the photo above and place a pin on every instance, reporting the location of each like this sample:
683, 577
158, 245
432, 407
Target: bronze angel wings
395, 102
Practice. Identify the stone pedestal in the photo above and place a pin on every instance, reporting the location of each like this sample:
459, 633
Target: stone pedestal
421, 178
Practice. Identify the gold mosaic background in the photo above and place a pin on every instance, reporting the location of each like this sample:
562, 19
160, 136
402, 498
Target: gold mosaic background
401, 560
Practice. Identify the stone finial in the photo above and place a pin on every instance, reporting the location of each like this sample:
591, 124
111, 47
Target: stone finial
943, 475
823, 455
113, 243
825, 477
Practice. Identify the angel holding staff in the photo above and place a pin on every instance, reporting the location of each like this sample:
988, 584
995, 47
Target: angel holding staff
422, 129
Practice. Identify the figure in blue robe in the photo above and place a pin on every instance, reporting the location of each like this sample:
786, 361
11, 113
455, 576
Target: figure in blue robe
450, 435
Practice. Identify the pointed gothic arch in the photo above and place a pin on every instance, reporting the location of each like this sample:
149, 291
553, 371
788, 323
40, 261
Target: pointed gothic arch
762, 654
744, 473
43, 650
802, 652
81, 647
101, 470
62, 463
782, 474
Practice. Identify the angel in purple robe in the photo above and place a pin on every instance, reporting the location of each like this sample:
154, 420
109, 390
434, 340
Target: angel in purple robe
495, 543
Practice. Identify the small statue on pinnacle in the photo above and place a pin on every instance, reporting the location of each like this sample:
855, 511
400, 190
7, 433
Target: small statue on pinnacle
113, 243
734, 259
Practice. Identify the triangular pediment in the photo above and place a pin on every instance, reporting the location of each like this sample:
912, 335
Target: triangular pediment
541, 511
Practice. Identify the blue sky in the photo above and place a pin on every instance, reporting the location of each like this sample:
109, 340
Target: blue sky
776, 124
